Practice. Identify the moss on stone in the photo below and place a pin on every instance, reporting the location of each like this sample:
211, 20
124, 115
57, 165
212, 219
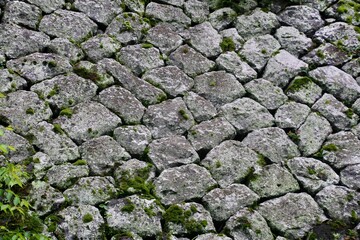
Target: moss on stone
349, 113
128, 207
57, 129
299, 83
87, 218
227, 44
183, 113
30, 111
330, 148
80, 162
66, 112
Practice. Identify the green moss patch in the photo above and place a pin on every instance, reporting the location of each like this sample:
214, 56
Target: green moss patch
66, 112
87, 218
299, 83
227, 44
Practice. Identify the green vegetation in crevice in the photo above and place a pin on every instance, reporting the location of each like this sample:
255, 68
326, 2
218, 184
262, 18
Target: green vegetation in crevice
88, 73
299, 83
227, 44
350, 9
67, 112
87, 218
326, 148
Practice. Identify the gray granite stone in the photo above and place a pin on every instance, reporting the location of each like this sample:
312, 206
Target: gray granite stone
291, 115
22, 14
199, 107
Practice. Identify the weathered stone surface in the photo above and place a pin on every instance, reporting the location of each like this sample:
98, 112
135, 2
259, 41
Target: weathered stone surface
199, 107
139, 215
23, 110
182, 183
293, 41
133, 138
48, 6
64, 175
167, 13
65, 90
232, 63
258, 50
282, 67
190, 61
350, 176
342, 149
313, 133
123, 103
291, 115
230, 162
338, 83
197, 10
39, 66
89, 120
140, 59
91, 190
41, 162
222, 203
339, 202
170, 79
170, 117
16, 41
102, 154
302, 17
75, 222
245, 115
10, 82
248, 224
99, 11
265, 22
293, 214
352, 67
144, 91
44, 198
221, 18
231, 33
205, 39
56, 145
127, 28
335, 112
195, 219
99, 47
317, 4
137, 6
63, 47
171, 152
272, 143
264, 92
313, 174
304, 90
74, 26
208, 134
218, 87
21, 13
165, 37
212, 236
273, 180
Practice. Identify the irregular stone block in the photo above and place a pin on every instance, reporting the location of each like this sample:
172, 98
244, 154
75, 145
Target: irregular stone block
21, 13
64, 175
291, 115
199, 107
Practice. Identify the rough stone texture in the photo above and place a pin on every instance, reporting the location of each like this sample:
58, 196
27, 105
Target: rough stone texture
41, 162
338, 83
99, 47
171, 152
63, 47
272, 143
143, 219
168, 118
91, 190
102, 154
10, 82
48, 6
65, 175
170, 79
140, 59
74, 26
291, 115
350, 176
199, 107
339, 202
335, 112
135, 6
265, 22
302, 17
293, 41
231, 33
182, 183
65, 90
313, 133
352, 67
230, 162
22, 14
245, 115
39, 66
264, 92
73, 224
293, 214
212, 236
222, 18
167, 13
248, 224
208, 134
304, 90
23, 110
123, 103
17, 41
258, 50
133, 138
222, 203
232, 63
283, 67
196, 10
89, 120
190, 61
218, 87
345, 150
